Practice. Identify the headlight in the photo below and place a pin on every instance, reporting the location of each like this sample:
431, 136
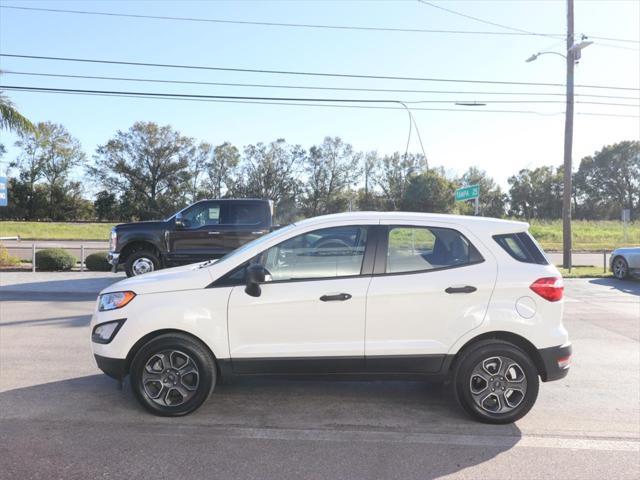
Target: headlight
113, 240
112, 301
105, 332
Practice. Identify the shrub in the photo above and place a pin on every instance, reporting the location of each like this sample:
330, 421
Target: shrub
7, 260
53, 259
97, 262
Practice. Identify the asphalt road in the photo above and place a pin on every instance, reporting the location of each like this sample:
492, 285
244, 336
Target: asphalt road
22, 250
61, 418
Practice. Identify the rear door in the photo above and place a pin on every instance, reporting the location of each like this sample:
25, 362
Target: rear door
245, 221
431, 285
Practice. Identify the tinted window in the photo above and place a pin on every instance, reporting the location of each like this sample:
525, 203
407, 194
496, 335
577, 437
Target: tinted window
413, 249
246, 213
522, 247
202, 214
326, 253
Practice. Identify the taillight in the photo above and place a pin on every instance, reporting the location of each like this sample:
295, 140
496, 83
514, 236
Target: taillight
549, 288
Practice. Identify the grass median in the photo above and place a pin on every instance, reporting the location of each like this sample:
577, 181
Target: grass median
587, 235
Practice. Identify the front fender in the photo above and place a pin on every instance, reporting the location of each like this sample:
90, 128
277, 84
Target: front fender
201, 313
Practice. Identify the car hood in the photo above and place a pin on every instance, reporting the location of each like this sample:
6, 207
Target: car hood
187, 277
146, 224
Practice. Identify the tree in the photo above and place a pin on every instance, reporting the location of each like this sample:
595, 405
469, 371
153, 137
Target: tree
271, 171
222, 170
30, 162
147, 166
394, 174
429, 191
105, 205
197, 169
492, 199
536, 193
609, 181
331, 168
11, 119
60, 153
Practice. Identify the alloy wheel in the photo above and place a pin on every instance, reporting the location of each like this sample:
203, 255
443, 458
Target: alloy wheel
170, 378
498, 384
620, 268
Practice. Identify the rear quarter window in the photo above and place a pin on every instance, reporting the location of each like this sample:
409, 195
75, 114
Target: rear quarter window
522, 247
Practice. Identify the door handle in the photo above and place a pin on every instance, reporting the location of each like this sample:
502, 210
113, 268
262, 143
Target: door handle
335, 297
465, 289
214, 233
261, 232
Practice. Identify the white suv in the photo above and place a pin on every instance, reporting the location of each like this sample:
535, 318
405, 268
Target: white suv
365, 294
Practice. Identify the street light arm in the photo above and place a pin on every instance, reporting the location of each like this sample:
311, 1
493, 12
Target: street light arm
536, 55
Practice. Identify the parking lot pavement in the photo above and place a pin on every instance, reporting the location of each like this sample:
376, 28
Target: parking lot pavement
61, 418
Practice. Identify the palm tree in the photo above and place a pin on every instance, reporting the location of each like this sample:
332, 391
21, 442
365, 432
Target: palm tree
11, 119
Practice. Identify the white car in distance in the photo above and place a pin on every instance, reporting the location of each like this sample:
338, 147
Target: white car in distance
370, 294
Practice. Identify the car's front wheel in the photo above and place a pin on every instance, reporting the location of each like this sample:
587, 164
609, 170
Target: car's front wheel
495, 381
141, 262
620, 268
172, 375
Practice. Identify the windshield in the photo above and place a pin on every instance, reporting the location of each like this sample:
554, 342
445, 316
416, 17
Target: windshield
252, 244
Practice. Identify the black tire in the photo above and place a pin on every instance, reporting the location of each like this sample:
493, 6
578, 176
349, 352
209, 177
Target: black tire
186, 346
620, 268
473, 357
140, 256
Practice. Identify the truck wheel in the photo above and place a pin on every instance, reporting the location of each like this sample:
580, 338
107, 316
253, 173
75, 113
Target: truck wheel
140, 262
172, 375
495, 382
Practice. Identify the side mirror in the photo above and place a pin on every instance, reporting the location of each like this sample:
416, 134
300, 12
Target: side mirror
255, 276
179, 221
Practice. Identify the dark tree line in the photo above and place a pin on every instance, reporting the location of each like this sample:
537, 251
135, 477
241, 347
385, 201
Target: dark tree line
150, 171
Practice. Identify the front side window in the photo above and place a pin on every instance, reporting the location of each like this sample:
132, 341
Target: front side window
202, 214
327, 253
414, 249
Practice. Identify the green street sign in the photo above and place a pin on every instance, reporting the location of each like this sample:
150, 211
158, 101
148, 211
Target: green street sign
467, 193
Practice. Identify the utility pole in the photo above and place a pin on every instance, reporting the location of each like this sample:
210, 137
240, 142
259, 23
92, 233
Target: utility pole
568, 144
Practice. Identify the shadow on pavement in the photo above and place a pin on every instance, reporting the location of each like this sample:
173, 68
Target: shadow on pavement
626, 286
68, 321
391, 427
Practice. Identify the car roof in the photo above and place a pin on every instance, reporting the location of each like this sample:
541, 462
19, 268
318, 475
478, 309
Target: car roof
488, 224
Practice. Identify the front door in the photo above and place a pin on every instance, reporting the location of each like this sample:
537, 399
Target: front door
433, 287
200, 236
310, 316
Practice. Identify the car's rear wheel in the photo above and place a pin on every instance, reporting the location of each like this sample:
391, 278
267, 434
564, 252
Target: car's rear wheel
495, 381
141, 262
172, 375
620, 268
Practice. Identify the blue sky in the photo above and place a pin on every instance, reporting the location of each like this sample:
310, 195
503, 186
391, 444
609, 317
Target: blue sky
500, 143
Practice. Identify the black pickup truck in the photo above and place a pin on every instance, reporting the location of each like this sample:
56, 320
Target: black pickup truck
202, 231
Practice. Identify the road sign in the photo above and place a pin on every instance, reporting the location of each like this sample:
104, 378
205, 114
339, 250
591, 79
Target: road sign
467, 193
4, 196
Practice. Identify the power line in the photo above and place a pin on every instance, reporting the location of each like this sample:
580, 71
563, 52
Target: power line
298, 73
271, 24
303, 87
323, 102
527, 32
487, 22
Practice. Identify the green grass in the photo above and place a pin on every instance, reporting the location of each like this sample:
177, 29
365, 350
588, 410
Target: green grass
584, 272
586, 234
56, 230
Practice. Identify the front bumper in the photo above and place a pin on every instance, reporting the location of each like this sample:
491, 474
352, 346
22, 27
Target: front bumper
113, 367
113, 258
555, 362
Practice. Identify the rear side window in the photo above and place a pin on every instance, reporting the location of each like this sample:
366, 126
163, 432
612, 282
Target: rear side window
521, 247
415, 249
245, 213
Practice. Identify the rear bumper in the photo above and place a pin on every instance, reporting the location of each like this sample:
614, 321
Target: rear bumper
113, 367
555, 362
